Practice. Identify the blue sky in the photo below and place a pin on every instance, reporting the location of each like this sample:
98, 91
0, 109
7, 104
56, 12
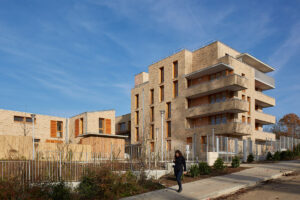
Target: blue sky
66, 57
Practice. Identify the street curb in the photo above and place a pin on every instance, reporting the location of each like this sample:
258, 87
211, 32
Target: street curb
243, 186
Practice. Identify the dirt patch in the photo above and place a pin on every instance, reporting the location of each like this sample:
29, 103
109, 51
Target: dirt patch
286, 187
169, 180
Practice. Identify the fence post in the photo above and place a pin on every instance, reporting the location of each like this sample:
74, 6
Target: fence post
236, 150
244, 150
217, 143
60, 165
226, 141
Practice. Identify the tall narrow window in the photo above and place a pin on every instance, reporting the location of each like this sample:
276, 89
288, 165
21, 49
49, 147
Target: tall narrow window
168, 128
161, 74
152, 146
168, 110
137, 137
152, 114
136, 101
169, 147
249, 102
249, 120
243, 119
81, 126
137, 117
59, 129
175, 69
152, 132
175, 89
152, 96
101, 125
162, 93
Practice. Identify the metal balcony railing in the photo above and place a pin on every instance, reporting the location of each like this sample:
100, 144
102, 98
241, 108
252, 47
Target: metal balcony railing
262, 77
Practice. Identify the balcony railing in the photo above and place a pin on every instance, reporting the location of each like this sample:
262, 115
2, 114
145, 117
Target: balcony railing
264, 118
264, 100
234, 128
232, 82
265, 79
232, 105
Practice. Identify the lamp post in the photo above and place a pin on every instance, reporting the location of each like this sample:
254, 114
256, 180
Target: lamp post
33, 148
162, 112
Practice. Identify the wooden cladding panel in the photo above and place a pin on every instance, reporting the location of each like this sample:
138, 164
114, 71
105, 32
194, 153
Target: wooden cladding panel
53, 128
108, 126
76, 127
54, 141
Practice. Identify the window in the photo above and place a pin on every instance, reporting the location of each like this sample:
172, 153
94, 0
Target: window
243, 74
152, 114
59, 129
101, 125
137, 117
224, 119
175, 89
243, 119
122, 126
152, 146
169, 147
243, 97
23, 119
168, 110
137, 134
136, 101
18, 119
161, 74
249, 101
152, 132
162, 97
81, 126
189, 141
249, 120
168, 128
175, 69
152, 96
212, 120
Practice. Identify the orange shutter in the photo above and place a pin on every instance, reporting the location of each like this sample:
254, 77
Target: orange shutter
76, 127
53, 128
108, 126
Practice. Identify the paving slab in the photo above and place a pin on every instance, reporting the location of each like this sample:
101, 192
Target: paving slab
222, 185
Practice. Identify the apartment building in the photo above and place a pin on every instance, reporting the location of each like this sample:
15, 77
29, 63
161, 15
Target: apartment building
190, 94
123, 126
96, 128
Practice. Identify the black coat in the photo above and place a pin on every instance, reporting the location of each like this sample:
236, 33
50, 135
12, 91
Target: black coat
180, 163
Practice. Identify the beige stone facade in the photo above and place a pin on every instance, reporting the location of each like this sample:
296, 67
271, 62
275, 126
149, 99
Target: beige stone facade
213, 88
89, 128
123, 126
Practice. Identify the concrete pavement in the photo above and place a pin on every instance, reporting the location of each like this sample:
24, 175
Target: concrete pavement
221, 185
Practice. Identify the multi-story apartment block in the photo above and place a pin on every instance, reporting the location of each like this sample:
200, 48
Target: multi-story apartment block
123, 126
214, 88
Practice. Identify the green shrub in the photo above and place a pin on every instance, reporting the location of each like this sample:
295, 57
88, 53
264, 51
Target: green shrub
204, 168
290, 155
219, 164
194, 171
269, 156
250, 158
283, 155
235, 163
296, 150
276, 156
60, 191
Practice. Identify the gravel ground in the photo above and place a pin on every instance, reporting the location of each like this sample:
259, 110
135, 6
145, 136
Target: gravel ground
285, 188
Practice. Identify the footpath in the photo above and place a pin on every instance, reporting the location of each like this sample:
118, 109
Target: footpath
223, 185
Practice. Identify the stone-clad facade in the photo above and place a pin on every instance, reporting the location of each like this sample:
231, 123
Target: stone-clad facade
213, 88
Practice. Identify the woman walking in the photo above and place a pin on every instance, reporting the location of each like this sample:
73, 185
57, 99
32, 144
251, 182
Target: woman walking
179, 168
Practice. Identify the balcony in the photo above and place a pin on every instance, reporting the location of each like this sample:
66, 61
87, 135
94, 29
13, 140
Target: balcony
263, 100
228, 106
264, 118
263, 136
255, 63
232, 82
230, 128
264, 81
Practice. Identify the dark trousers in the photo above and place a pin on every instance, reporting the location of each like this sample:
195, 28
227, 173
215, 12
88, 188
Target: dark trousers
178, 174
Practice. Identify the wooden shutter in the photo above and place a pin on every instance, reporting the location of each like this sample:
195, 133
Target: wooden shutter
53, 127
108, 126
76, 127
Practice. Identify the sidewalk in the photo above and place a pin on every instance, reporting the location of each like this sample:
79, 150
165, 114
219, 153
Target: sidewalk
221, 185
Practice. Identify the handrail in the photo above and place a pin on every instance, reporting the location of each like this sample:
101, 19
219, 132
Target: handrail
216, 79
227, 123
227, 100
